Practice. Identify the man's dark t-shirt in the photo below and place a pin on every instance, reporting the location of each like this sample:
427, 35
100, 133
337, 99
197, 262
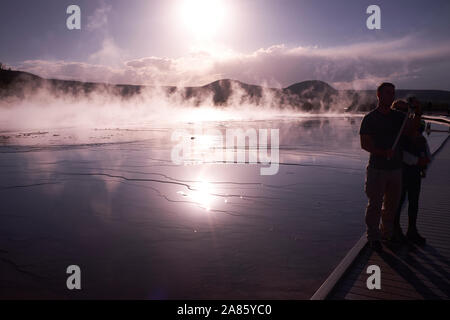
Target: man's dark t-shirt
383, 128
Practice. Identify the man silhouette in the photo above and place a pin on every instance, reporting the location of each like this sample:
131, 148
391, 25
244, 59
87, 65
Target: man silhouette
383, 185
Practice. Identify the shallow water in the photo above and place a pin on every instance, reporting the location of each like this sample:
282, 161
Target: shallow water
112, 201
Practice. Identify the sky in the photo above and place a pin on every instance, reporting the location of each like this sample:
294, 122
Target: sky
265, 42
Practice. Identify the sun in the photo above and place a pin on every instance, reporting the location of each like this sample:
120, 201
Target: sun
203, 18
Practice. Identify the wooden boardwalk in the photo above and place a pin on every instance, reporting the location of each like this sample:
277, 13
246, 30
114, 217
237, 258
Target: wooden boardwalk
407, 271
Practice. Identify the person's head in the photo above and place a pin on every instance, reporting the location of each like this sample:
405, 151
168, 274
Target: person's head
400, 105
386, 94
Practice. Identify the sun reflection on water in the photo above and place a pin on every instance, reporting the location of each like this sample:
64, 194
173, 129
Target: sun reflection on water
200, 194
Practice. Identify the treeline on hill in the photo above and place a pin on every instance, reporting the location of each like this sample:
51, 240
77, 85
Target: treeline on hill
310, 95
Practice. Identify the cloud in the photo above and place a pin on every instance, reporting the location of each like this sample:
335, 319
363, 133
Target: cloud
99, 19
109, 54
360, 65
163, 64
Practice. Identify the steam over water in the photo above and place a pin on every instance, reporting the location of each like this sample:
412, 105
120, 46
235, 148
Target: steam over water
96, 187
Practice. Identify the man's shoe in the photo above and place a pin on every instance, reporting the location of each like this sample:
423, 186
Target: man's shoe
416, 238
375, 245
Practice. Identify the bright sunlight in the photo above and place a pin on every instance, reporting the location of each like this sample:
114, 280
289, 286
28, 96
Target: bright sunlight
203, 18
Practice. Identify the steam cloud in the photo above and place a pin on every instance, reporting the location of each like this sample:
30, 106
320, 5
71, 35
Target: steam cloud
50, 108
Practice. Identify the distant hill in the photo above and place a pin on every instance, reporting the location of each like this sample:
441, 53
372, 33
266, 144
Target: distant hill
310, 88
222, 90
311, 95
13, 79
